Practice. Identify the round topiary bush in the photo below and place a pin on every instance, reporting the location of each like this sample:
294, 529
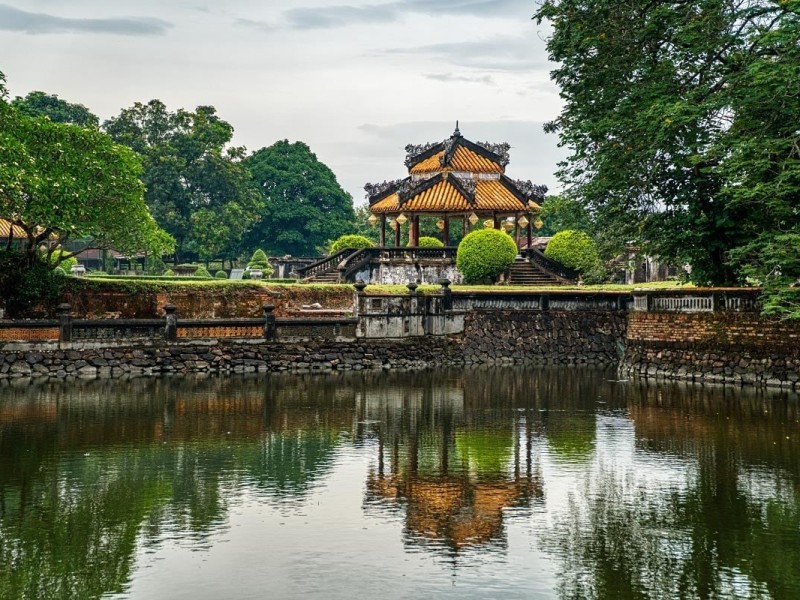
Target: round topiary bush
355, 242
221, 275
59, 271
203, 273
169, 273
430, 242
483, 255
573, 249
260, 262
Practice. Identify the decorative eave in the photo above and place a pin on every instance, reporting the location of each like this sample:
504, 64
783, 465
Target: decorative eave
524, 190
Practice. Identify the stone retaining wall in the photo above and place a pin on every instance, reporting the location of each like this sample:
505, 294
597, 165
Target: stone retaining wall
565, 337
222, 356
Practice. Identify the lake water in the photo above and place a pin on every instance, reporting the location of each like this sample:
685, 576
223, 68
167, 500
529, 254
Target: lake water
486, 483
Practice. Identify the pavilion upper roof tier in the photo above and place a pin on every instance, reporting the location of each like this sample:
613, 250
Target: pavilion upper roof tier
455, 176
457, 154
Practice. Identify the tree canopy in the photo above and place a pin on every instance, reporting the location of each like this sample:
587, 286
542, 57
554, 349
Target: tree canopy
67, 182
41, 104
303, 204
682, 121
196, 185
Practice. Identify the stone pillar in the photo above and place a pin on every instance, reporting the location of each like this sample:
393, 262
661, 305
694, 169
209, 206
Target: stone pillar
270, 326
530, 235
64, 312
171, 323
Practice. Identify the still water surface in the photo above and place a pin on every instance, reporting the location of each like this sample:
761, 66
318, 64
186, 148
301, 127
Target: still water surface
494, 483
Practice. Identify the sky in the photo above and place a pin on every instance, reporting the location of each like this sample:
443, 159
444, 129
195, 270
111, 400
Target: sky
356, 80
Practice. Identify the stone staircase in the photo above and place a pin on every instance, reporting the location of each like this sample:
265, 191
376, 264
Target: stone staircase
331, 276
525, 272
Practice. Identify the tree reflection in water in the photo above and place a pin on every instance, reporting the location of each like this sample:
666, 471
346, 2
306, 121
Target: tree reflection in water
700, 500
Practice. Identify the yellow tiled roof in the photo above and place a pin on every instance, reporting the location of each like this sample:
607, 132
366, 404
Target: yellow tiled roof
490, 196
5, 227
464, 160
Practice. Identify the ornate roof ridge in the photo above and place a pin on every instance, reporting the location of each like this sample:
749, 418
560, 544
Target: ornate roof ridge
376, 191
408, 189
524, 189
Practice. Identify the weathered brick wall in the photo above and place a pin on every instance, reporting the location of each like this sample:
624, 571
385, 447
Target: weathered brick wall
228, 302
740, 348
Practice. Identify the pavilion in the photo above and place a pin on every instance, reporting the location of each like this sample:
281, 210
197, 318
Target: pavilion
456, 180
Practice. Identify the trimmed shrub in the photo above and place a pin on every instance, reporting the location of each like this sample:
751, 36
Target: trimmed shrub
221, 275
246, 275
430, 242
484, 254
203, 273
169, 273
355, 242
260, 261
60, 271
574, 249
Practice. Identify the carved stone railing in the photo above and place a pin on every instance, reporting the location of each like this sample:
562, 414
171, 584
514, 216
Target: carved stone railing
361, 258
696, 300
325, 265
556, 268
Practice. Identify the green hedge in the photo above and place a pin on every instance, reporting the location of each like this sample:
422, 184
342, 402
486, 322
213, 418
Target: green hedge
356, 242
430, 242
574, 249
484, 254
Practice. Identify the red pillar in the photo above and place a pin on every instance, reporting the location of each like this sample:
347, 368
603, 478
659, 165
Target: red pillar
446, 231
383, 231
530, 235
397, 234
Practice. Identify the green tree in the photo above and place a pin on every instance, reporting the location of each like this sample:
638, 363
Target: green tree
303, 204
667, 113
41, 104
562, 212
60, 182
196, 184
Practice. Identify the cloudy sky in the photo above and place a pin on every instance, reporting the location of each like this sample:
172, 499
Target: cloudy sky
357, 80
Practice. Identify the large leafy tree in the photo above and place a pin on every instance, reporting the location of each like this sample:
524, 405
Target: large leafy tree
668, 111
61, 182
304, 205
196, 185
41, 104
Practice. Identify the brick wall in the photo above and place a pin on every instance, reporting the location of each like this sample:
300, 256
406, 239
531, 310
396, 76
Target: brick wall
738, 348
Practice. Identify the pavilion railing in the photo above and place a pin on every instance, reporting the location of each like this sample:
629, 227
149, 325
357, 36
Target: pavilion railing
536, 256
360, 259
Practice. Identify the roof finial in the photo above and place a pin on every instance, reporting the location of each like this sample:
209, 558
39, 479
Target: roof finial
457, 133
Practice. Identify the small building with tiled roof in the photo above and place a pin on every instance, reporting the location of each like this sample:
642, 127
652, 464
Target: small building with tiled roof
455, 179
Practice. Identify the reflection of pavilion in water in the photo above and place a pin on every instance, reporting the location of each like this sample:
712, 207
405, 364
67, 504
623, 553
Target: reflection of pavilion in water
452, 472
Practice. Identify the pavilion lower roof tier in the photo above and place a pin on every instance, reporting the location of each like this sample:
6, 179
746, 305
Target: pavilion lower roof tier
490, 196
463, 160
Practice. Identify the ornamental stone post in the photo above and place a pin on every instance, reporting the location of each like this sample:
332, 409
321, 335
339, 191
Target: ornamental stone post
270, 326
171, 323
64, 312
